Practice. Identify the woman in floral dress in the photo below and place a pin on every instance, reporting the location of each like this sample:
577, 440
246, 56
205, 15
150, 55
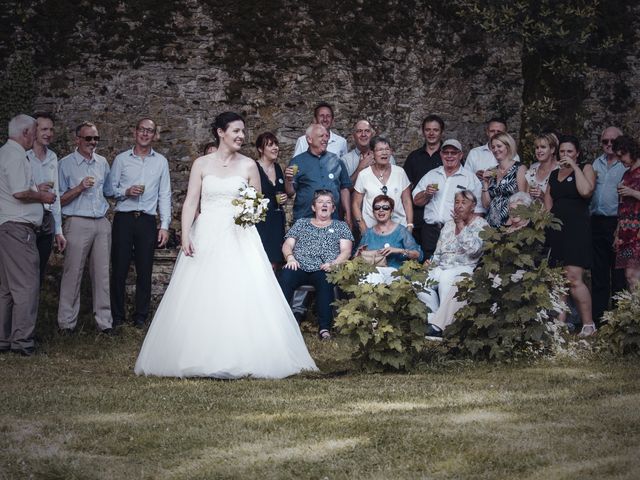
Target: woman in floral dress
627, 238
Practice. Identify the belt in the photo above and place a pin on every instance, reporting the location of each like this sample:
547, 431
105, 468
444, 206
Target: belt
135, 213
82, 216
24, 224
436, 224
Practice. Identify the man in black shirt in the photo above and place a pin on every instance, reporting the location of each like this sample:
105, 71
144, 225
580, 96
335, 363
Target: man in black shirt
424, 159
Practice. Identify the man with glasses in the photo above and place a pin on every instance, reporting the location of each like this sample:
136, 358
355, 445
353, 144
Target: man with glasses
361, 156
84, 183
436, 192
142, 188
44, 165
606, 280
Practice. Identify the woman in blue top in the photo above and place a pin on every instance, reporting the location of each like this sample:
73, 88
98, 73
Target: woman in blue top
389, 239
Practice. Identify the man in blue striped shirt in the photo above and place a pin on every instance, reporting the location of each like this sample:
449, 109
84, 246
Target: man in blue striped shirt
83, 179
142, 188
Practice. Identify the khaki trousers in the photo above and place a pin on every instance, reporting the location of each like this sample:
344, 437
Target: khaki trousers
87, 238
19, 286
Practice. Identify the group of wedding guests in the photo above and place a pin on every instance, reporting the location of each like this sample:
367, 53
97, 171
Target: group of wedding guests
345, 203
46, 202
434, 207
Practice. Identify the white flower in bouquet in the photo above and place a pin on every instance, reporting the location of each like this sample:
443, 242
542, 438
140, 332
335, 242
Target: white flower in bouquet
251, 207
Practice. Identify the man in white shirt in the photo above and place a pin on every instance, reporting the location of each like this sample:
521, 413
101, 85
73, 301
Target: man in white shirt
361, 156
323, 114
44, 167
436, 192
481, 158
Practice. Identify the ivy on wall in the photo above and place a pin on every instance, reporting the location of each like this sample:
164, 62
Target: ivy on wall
562, 42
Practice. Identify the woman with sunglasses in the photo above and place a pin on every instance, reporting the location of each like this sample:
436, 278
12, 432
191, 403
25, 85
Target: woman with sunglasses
391, 242
381, 178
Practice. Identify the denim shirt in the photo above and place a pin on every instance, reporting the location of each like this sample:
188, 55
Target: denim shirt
605, 196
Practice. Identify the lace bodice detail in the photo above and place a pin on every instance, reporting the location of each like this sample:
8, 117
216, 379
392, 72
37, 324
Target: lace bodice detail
217, 192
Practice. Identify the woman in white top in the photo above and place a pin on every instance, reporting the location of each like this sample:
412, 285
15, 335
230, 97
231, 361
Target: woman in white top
386, 179
546, 151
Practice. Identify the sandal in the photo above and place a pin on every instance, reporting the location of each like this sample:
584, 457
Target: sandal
587, 330
324, 334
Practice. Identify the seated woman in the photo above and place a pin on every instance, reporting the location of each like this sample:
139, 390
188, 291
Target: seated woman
458, 251
387, 240
311, 248
445, 315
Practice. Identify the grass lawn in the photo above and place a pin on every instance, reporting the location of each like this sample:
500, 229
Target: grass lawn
76, 410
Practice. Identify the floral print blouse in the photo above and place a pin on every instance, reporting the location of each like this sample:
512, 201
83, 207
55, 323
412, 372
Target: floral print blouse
463, 249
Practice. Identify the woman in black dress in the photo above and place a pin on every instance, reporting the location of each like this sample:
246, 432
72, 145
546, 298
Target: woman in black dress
567, 197
272, 182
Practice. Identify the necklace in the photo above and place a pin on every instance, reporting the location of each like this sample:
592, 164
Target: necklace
381, 175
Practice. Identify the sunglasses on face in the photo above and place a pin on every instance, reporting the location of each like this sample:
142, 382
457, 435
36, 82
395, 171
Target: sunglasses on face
146, 130
89, 138
607, 141
386, 208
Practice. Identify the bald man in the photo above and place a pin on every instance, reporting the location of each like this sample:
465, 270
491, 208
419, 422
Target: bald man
606, 280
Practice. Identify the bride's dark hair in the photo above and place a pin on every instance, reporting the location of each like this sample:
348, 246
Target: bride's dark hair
222, 121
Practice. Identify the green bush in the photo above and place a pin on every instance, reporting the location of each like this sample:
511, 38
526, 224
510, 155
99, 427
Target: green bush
621, 334
510, 296
387, 322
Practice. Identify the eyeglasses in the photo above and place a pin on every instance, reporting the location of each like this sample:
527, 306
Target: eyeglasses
449, 153
607, 141
384, 189
146, 130
361, 131
386, 208
89, 138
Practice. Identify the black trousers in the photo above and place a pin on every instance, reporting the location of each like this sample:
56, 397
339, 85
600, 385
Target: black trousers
133, 235
429, 234
44, 242
606, 280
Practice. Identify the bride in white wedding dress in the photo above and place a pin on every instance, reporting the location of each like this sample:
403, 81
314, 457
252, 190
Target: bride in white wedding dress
223, 314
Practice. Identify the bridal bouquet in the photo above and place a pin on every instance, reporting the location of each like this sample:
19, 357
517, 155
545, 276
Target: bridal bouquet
251, 207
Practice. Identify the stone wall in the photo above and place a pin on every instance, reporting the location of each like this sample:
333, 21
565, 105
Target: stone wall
183, 62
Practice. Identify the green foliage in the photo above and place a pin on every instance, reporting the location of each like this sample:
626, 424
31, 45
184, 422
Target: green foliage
18, 90
510, 295
562, 40
387, 322
621, 334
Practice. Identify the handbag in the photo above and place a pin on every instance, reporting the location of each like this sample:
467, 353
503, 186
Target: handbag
373, 257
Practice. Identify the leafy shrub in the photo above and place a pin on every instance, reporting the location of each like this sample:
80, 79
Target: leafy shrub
621, 334
511, 294
387, 322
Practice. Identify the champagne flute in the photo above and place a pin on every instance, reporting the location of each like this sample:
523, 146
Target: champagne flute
280, 200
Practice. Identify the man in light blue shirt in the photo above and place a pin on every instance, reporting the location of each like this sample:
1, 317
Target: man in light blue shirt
142, 188
84, 183
44, 167
606, 280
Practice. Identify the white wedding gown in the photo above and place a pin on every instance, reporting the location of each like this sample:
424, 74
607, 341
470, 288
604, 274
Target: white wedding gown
223, 314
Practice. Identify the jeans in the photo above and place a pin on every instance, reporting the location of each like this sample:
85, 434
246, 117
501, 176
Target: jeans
290, 280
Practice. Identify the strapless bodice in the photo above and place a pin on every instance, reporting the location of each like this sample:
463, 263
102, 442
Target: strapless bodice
218, 192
